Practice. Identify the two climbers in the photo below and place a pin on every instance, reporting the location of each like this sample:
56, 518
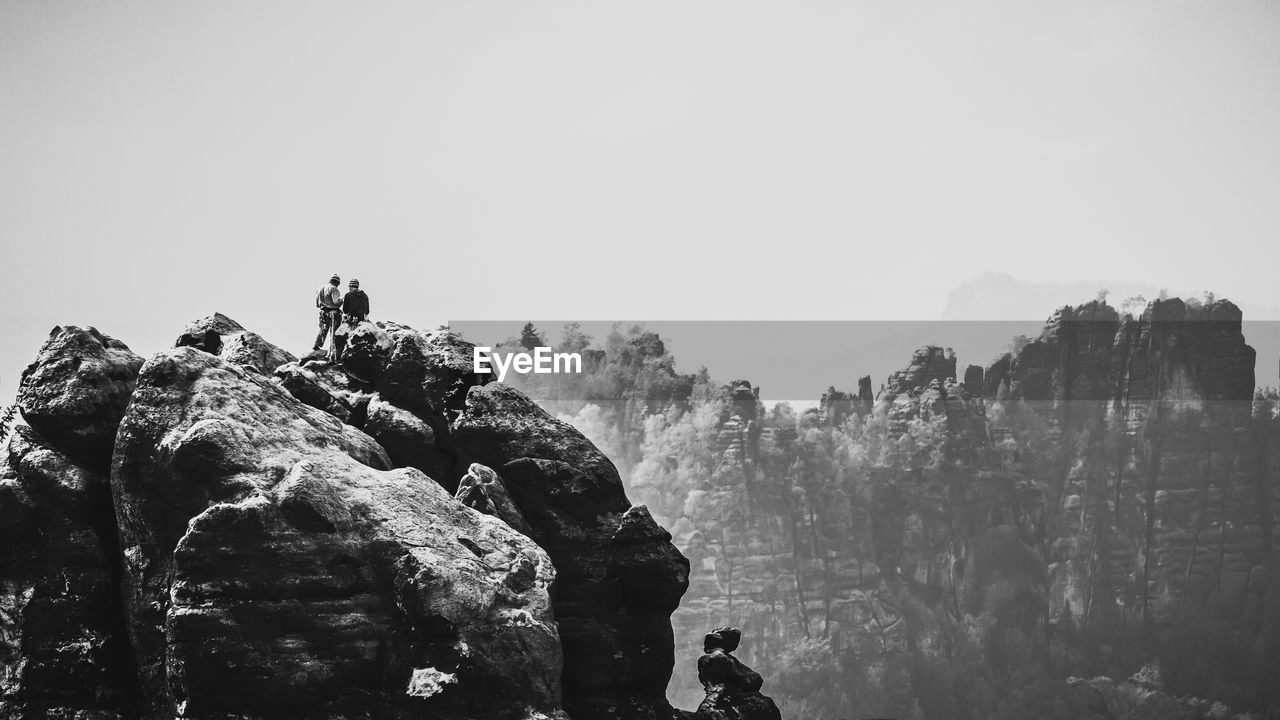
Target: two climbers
353, 308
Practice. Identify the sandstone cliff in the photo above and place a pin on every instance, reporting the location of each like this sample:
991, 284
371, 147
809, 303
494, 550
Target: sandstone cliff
1100, 498
223, 531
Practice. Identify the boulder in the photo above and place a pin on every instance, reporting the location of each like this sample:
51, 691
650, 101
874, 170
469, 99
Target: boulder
63, 649
344, 591
200, 431
429, 373
482, 490
644, 559
410, 441
219, 335
322, 386
733, 689
269, 550
76, 391
365, 349
615, 629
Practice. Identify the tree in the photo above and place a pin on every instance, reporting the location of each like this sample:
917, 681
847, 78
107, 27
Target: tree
531, 337
572, 339
1134, 305
6, 421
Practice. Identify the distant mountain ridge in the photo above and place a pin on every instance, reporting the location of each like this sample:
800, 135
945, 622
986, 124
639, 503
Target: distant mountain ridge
1001, 296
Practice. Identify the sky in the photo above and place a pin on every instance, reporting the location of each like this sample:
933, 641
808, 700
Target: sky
661, 160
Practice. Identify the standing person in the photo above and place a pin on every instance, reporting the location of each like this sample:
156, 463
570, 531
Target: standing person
355, 310
355, 304
329, 300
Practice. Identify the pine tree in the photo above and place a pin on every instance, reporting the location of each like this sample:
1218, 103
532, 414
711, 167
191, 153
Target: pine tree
531, 337
6, 421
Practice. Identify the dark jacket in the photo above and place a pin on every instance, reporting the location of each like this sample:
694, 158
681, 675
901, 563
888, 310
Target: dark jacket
355, 303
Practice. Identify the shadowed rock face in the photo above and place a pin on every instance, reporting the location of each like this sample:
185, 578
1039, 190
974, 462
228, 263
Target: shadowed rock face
409, 440
214, 534
733, 689
928, 364
483, 490
346, 590
76, 391
428, 373
1104, 489
620, 576
365, 348
63, 645
319, 384
63, 650
1179, 492
267, 551
400, 393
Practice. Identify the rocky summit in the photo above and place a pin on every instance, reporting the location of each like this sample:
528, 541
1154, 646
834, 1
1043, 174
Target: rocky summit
224, 531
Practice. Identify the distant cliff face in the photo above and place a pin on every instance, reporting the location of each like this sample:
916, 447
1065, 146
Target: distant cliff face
223, 531
1160, 484
1101, 498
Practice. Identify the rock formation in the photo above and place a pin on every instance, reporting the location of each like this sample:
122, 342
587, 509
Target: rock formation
483, 490
617, 641
365, 348
76, 391
219, 335
289, 543
928, 364
1101, 496
1161, 497
265, 550
63, 646
430, 410
733, 689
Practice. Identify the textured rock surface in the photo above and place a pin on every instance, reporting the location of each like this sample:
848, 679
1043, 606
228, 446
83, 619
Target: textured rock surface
617, 644
365, 348
482, 490
429, 373
411, 442
1187, 496
266, 550
219, 335
76, 391
733, 689
63, 650
263, 560
620, 576
928, 364
1103, 493
345, 591
323, 386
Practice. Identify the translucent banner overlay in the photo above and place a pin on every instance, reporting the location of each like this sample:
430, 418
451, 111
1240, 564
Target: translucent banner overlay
798, 361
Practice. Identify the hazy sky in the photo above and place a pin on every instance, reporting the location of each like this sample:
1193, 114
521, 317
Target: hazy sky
686, 159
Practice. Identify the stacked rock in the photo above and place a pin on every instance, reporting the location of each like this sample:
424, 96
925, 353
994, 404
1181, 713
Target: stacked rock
733, 689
